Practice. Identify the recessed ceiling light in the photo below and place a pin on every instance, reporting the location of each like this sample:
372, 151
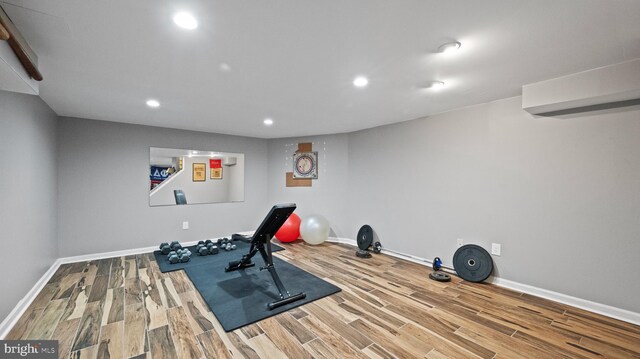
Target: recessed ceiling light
153, 103
360, 81
268, 122
434, 85
450, 46
185, 20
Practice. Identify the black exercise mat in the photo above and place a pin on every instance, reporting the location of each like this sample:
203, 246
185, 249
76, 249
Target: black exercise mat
240, 297
223, 255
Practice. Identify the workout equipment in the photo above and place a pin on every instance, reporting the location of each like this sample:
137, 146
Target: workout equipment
206, 248
175, 245
472, 263
364, 240
377, 247
261, 242
164, 248
437, 264
314, 229
240, 237
290, 230
440, 276
180, 255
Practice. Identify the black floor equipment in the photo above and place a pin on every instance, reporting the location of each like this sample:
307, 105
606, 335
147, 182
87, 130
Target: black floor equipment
261, 242
365, 239
438, 274
472, 263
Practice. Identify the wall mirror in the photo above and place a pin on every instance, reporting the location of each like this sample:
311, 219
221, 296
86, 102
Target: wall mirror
179, 177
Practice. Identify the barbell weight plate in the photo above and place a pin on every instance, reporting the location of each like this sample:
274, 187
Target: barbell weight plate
365, 237
472, 263
440, 276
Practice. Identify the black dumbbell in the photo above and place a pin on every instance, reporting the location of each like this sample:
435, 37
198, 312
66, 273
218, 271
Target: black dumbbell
175, 245
164, 248
203, 251
173, 259
207, 242
201, 242
185, 257
172, 253
213, 249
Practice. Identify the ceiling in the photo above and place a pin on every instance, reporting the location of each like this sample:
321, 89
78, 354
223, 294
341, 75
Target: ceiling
294, 61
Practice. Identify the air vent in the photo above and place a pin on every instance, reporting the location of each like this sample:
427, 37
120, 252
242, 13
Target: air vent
612, 84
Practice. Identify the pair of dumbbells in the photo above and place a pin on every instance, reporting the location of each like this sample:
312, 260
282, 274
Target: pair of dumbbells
165, 247
179, 256
206, 247
226, 244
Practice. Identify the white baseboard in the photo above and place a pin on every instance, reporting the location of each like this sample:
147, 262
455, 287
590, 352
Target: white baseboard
11, 320
606, 310
17, 312
599, 308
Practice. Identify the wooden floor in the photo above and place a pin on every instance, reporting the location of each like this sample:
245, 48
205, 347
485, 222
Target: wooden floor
125, 308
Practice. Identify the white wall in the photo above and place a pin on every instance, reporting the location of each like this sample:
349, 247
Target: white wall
104, 188
28, 191
562, 194
328, 194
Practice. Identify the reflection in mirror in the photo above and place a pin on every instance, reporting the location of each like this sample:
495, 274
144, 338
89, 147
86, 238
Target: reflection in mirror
194, 176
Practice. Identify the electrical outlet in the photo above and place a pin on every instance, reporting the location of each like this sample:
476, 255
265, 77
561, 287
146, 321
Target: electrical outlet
185, 225
496, 248
460, 242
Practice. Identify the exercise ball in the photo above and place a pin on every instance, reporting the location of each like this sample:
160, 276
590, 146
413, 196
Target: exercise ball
314, 229
290, 230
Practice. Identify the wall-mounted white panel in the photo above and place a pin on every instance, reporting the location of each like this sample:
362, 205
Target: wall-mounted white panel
614, 83
13, 76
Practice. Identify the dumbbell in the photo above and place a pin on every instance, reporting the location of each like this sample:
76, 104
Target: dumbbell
172, 253
175, 245
173, 259
207, 242
199, 249
213, 249
201, 242
185, 257
164, 248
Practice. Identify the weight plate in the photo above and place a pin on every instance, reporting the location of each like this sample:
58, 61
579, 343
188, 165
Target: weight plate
472, 263
365, 237
440, 276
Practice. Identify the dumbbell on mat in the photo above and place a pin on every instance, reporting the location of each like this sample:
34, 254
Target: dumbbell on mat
165, 248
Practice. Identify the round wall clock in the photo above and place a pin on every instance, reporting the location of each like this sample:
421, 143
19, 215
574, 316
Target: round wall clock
305, 165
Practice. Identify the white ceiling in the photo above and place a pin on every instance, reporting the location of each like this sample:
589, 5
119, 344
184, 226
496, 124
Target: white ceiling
294, 60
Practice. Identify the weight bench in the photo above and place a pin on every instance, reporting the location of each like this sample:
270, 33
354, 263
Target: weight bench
261, 242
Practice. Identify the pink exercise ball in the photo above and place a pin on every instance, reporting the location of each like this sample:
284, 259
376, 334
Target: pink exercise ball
290, 230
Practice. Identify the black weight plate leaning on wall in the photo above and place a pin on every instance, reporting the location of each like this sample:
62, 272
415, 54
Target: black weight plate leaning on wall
365, 237
472, 263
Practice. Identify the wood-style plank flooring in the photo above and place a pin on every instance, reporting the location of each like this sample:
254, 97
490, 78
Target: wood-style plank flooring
125, 308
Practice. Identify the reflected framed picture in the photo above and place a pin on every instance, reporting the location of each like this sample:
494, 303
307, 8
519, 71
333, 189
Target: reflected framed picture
199, 172
216, 173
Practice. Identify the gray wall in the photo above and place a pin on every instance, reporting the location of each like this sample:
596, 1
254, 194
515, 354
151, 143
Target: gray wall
328, 194
103, 188
28, 192
561, 194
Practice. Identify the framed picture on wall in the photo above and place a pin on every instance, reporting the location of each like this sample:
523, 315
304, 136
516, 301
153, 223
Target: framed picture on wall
216, 173
199, 172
